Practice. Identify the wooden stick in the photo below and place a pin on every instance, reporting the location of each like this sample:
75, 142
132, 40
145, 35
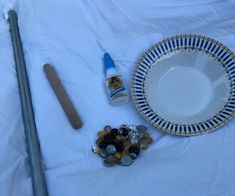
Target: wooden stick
63, 97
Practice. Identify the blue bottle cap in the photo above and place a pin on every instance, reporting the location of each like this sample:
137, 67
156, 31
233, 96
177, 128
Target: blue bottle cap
109, 65
108, 61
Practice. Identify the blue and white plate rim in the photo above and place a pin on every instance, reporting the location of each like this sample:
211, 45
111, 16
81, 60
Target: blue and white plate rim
217, 50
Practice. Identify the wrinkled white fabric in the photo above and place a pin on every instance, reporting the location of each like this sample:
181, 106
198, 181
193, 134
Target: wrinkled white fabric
72, 36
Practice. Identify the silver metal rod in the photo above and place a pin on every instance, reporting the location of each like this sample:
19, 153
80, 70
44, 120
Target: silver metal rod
38, 178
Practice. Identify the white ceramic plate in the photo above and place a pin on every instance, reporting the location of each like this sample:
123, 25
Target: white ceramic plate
184, 85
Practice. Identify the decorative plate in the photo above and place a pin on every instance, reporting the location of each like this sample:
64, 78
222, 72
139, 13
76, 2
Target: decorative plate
185, 85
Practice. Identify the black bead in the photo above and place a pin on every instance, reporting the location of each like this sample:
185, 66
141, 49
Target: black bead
108, 138
134, 149
119, 146
114, 132
103, 144
124, 132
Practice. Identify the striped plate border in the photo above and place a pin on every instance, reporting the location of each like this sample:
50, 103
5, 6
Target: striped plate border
217, 50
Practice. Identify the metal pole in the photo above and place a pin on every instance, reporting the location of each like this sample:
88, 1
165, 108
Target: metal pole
38, 179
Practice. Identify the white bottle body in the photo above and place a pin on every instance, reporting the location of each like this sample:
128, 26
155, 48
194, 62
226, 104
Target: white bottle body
117, 91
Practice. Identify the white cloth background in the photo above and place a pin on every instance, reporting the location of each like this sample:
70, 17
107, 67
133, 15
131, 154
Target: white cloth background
72, 35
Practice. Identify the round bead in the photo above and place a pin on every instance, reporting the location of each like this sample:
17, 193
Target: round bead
98, 141
109, 161
114, 132
146, 134
120, 131
133, 155
141, 140
117, 155
95, 149
132, 127
103, 144
123, 126
107, 129
124, 132
134, 149
126, 160
118, 161
127, 144
148, 140
132, 133
125, 153
118, 137
110, 149
103, 153
109, 138
101, 134
141, 128
119, 146
144, 145
141, 135
134, 139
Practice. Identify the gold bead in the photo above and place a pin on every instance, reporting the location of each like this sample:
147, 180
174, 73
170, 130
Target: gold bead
125, 153
127, 144
149, 140
118, 155
101, 134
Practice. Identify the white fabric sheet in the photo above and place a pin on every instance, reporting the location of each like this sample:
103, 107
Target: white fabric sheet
72, 35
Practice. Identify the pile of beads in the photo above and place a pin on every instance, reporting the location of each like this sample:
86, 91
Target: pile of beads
122, 145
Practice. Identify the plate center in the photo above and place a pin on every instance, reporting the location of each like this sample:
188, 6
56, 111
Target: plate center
184, 91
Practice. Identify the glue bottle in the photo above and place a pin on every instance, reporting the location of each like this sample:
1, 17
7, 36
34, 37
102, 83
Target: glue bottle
117, 91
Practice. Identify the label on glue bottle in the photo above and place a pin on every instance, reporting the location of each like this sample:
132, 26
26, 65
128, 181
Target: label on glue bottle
117, 91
